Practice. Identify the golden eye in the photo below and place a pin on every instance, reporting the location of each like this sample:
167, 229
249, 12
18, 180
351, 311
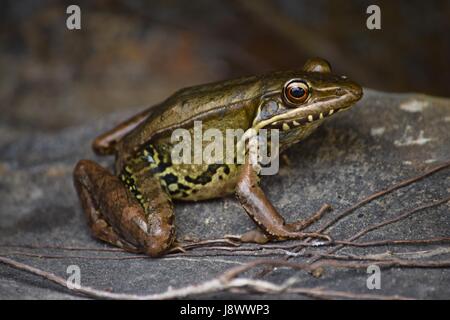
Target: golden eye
296, 92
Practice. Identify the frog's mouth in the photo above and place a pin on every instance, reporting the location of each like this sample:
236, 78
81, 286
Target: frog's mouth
287, 124
314, 112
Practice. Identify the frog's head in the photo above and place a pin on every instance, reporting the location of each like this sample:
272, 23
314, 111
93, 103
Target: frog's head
296, 103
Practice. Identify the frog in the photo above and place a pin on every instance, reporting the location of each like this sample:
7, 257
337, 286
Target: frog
133, 208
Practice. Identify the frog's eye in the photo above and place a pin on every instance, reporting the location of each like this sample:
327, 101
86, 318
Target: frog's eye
296, 92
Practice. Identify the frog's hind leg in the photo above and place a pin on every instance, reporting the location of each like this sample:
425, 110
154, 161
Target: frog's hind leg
105, 143
115, 215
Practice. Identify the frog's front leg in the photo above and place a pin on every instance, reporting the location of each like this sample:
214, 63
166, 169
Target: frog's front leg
262, 212
115, 216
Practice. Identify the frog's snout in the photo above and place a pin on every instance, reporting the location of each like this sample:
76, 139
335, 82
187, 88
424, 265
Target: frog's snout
353, 89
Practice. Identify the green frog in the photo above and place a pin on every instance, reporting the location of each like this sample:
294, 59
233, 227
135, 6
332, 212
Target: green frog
133, 209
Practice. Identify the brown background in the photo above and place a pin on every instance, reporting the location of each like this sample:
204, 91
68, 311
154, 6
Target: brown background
134, 53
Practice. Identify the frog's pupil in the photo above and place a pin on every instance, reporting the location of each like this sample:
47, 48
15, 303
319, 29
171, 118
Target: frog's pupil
297, 92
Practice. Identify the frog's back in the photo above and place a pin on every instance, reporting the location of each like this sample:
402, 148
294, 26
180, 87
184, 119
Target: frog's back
199, 102
219, 100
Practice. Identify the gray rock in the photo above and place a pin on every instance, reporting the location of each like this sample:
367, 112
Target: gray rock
385, 139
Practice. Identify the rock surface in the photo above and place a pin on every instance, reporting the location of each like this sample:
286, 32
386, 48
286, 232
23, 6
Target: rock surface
385, 139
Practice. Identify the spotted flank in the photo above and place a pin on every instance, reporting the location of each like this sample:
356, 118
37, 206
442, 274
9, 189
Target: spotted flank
179, 181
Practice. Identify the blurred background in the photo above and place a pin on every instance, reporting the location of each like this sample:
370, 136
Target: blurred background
131, 54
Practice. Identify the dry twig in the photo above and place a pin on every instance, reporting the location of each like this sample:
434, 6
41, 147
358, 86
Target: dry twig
224, 282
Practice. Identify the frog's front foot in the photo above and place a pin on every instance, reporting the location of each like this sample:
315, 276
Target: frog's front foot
115, 216
259, 236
